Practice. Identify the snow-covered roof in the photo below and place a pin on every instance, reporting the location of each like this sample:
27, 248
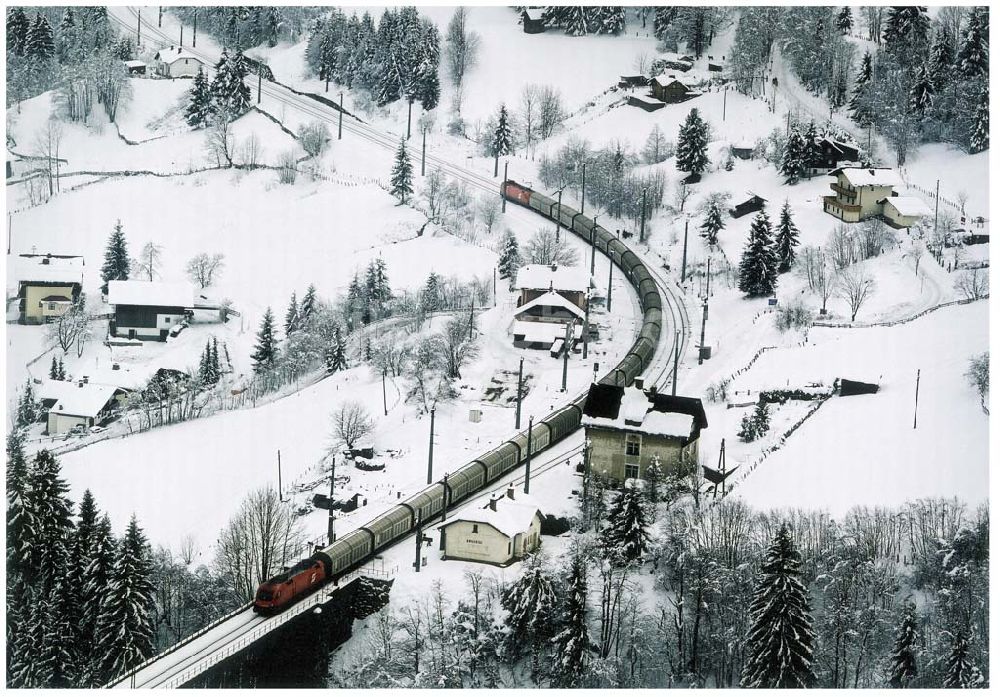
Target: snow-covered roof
869, 176
645, 100
675, 57
633, 409
135, 64
552, 277
511, 516
907, 205
550, 299
544, 332
174, 54
77, 398
670, 78
534, 13
147, 293
45, 268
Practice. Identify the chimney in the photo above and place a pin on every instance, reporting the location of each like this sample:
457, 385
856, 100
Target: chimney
638, 383
45, 260
554, 267
510, 492
493, 504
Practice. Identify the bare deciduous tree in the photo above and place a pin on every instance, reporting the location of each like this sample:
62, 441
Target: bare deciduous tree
551, 113
458, 344
488, 211
251, 151
916, 253
204, 268
428, 383
840, 247
855, 286
112, 85
189, 549
219, 140
351, 423
48, 141
542, 248
973, 283
258, 541
530, 97
287, 167
461, 50
148, 261
71, 324
682, 192
314, 138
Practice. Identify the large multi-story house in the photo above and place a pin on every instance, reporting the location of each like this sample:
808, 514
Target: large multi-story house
47, 285
859, 191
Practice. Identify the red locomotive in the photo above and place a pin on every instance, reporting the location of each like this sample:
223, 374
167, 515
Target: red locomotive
516, 193
275, 594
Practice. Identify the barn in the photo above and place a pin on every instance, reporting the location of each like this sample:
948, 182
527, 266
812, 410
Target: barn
500, 531
47, 285
903, 211
671, 89
531, 20
751, 205
830, 154
147, 310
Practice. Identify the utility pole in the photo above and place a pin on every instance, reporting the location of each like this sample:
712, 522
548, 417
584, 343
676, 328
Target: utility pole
419, 539
611, 268
559, 216
472, 317
583, 192
586, 479
642, 219
586, 326
527, 461
704, 320
409, 116
182, 35
495, 286
329, 516
520, 389
138, 28
194, 41
916, 400
340, 119
684, 258
444, 498
279, 477
260, 79
677, 355
423, 149
10, 229
159, 20
708, 280
430, 451
722, 465
496, 163
567, 343
385, 408
937, 194
725, 93
593, 246
503, 197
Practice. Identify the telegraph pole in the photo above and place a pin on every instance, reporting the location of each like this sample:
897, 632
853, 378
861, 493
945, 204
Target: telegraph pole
430, 451
704, 320
677, 355
722, 466
725, 93
194, 41
566, 348
182, 35
329, 516
583, 192
444, 498
259, 81
279, 476
527, 461
159, 20
708, 280
423, 149
520, 389
503, 197
684, 259
419, 539
385, 408
559, 216
611, 268
472, 317
409, 117
937, 193
138, 27
916, 400
496, 163
340, 120
593, 246
586, 326
642, 220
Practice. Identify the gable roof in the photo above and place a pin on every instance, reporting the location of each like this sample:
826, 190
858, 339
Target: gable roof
75, 398
554, 277
535, 14
174, 54
511, 517
550, 299
48, 268
147, 293
907, 205
668, 79
631, 408
868, 176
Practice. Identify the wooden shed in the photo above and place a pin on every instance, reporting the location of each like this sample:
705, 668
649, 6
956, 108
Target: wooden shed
751, 205
531, 20
644, 102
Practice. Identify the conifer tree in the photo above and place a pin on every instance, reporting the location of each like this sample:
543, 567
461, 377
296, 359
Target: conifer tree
292, 315
308, 305
200, 108
663, 17
67, 36
125, 625
214, 362
960, 671
845, 20
692, 144
18, 26
612, 20
575, 20
62, 369
942, 59
626, 537
39, 43
18, 513
502, 143
97, 579
402, 174
430, 293
265, 353
54, 370
980, 137
230, 93
530, 606
779, 644
860, 107
712, 223
973, 58
904, 660
758, 267
510, 257
336, 353
27, 408
573, 639
793, 161
922, 92
49, 512
116, 260
786, 240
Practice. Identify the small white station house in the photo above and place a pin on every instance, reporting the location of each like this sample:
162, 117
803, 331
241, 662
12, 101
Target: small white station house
500, 531
148, 309
79, 403
176, 62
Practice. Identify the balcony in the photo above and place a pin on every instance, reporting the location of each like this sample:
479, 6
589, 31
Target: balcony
845, 207
847, 191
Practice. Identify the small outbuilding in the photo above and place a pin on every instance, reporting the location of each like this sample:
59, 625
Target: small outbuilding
499, 531
903, 211
176, 62
79, 403
671, 89
751, 205
633, 81
47, 285
645, 103
148, 310
743, 150
531, 20
135, 68
571, 282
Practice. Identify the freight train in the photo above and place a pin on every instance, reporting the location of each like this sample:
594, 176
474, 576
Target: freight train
360, 545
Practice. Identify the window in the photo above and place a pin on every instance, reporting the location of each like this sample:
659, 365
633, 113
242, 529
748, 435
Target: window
633, 443
631, 471
166, 320
475, 528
